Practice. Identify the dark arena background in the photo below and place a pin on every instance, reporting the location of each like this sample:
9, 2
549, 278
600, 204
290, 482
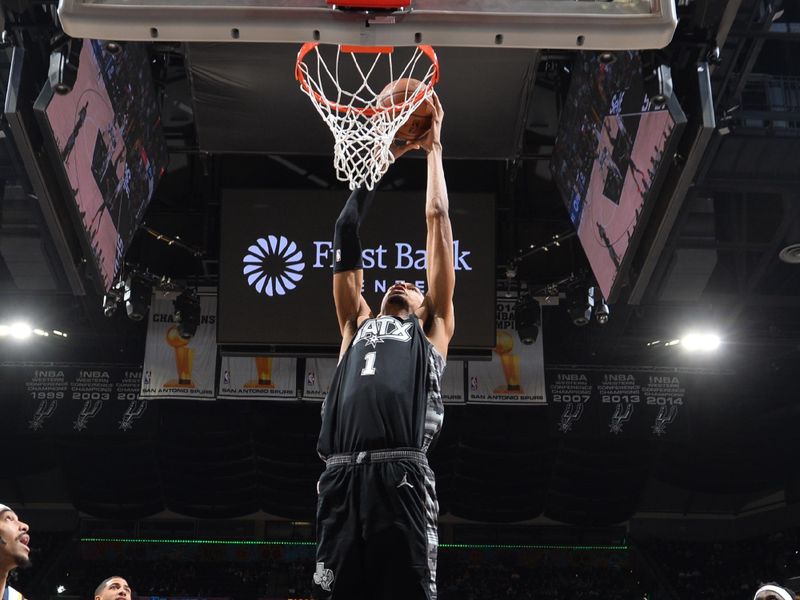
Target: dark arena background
621, 399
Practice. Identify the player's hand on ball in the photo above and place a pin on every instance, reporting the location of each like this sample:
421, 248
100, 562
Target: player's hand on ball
399, 149
433, 138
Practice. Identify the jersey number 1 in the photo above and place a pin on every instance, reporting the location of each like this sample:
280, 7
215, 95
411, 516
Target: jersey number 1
369, 364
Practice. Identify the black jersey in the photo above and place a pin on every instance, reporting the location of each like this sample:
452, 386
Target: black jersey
386, 392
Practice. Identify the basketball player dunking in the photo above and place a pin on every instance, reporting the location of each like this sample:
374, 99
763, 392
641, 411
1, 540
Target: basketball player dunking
377, 510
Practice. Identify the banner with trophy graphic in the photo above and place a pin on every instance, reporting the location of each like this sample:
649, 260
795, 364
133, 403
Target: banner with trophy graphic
258, 377
175, 367
453, 383
515, 375
318, 376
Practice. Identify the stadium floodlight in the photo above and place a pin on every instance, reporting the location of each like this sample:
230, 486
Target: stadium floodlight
136, 295
700, 342
20, 330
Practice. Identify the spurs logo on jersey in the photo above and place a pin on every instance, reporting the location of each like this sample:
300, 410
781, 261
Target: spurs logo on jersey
377, 331
323, 577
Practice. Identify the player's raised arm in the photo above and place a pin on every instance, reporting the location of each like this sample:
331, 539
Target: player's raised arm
438, 312
348, 273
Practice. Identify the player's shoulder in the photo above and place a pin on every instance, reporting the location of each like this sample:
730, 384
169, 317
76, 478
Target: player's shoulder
438, 330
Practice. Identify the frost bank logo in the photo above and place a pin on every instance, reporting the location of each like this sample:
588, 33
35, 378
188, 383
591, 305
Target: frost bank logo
273, 265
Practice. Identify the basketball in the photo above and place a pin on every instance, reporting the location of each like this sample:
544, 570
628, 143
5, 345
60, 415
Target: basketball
400, 91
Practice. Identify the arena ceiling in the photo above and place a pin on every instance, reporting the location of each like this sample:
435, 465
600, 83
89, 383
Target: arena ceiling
499, 464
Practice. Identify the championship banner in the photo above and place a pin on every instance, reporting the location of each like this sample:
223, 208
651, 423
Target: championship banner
318, 377
74, 400
515, 375
453, 383
258, 378
175, 367
625, 403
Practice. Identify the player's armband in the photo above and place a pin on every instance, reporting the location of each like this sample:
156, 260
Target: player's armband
346, 241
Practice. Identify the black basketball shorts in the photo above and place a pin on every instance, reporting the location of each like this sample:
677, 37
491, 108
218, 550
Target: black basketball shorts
377, 527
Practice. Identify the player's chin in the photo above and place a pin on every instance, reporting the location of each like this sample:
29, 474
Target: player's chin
396, 300
23, 561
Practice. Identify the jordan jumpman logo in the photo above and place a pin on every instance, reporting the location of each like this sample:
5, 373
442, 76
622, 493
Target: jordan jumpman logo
404, 481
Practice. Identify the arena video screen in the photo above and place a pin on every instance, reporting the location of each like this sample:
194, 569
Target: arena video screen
276, 257
106, 141
611, 154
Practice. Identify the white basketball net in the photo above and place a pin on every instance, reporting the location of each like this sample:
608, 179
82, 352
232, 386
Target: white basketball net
363, 131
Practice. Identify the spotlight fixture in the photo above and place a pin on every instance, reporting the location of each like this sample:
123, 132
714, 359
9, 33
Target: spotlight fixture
63, 71
725, 125
114, 47
601, 311
187, 313
527, 320
725, 121
110, 305
607, 58
713, 56
657, 80
580, 304
112, 298
136, 296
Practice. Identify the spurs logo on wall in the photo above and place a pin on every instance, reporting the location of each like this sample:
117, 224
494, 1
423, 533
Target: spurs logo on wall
273, 265
622, 414
571, 414
135, 411
90, 409
666, 415
44, 411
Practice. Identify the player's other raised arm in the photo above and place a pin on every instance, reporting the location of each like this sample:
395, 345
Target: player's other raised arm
348, 274
439, 316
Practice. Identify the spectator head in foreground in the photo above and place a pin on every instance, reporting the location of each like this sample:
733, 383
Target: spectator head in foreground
772, 591
14, 550
113, 588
